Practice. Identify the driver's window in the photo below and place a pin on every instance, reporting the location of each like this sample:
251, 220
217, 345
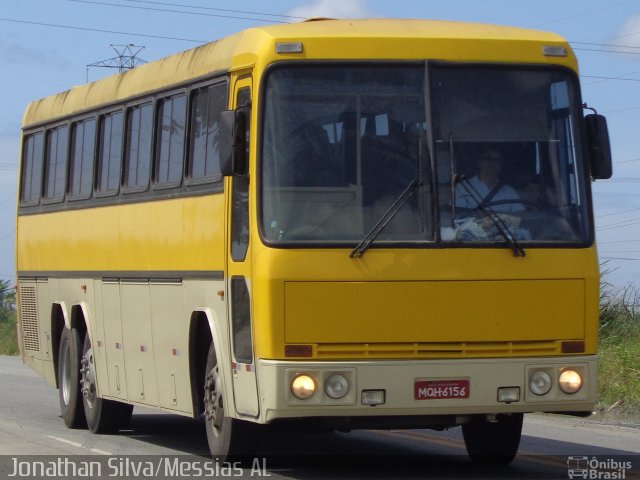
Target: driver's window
240, 198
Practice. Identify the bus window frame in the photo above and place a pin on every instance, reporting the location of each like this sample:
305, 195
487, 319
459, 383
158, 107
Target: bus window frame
128, 108
188, 179
97, 192
46, 166
157, 138
73, 122
25, 138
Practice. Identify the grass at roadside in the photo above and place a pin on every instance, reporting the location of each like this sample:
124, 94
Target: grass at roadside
8, 335
619, 378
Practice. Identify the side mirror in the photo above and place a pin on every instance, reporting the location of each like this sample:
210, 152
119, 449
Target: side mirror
599, 147
232, 131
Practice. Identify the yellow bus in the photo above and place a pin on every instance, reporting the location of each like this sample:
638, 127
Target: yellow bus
338, 224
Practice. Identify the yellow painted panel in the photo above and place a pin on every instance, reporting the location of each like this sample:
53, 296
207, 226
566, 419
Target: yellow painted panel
180, 234
455, 311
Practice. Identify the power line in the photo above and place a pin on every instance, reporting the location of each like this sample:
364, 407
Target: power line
182, 12
612, 78
604, 51
562, 19
621, 110
619, 258
623, 180
617, 225
633, 47
622, 251
620, 241
86, 29
215, 9
618, 213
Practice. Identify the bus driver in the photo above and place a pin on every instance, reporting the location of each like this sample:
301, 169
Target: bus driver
487, 186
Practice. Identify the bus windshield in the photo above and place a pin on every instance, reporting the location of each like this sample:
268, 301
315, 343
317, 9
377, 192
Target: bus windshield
484, 149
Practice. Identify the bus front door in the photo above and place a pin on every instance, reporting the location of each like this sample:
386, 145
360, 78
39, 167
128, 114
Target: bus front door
238, 279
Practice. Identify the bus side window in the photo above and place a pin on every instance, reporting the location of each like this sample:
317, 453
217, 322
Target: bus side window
110, 155
204, 155
240, 194
82, 155
55, 164
138, 151
170, 136
32, 169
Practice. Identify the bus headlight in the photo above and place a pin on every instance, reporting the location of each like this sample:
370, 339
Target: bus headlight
303, 386
570, 381
336, 386
540, 382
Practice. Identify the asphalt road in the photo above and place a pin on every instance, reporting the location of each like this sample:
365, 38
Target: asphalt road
30, 424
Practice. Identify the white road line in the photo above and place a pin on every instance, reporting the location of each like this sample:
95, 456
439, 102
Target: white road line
100, 452
68, 442
79, 445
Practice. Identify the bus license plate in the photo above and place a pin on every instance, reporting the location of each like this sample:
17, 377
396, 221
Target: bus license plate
441, 389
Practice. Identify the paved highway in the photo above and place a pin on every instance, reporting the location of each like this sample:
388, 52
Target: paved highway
30, 425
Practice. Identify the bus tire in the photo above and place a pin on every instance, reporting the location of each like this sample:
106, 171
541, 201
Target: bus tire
69, 393
102, 415
493, 443
228, 438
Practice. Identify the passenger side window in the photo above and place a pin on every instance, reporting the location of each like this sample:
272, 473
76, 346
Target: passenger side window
83, 136
171, 134
110, 158
31, 183
56, 163
138, 151
206, 105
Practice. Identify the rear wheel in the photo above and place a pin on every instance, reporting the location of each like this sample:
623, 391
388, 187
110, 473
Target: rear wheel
493, 442
69, 355
228, 437
102, 415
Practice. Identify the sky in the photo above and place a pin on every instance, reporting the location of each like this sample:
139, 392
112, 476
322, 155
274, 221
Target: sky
46, 45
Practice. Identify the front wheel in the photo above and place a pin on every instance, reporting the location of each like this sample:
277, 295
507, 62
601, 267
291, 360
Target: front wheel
228, 438
493, 442
69, 355
102, 415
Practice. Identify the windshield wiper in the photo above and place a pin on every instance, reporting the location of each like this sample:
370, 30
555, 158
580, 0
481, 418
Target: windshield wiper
395, 207
500, 224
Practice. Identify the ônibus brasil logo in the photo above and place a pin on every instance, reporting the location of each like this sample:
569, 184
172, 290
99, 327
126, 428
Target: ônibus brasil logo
599, 469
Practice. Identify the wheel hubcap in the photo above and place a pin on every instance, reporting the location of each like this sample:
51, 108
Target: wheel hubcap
213, 406
88, 377
66, 375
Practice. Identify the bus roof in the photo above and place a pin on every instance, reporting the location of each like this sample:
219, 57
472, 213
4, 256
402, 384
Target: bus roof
399, 39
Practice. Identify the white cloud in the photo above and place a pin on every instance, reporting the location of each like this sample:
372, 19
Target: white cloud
334, 9
629, 33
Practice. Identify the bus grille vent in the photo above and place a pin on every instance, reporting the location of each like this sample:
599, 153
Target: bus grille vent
437, 350
29, 318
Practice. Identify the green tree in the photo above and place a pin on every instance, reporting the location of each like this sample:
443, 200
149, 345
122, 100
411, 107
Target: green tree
7, 300
8, 332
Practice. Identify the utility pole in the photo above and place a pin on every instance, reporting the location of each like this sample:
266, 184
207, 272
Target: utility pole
126, 59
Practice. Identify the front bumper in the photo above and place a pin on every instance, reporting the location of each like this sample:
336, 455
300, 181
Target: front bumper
397, 380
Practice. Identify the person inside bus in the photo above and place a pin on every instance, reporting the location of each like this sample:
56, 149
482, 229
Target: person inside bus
486, 188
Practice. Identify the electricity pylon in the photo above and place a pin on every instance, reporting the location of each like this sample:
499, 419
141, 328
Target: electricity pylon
126, 59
